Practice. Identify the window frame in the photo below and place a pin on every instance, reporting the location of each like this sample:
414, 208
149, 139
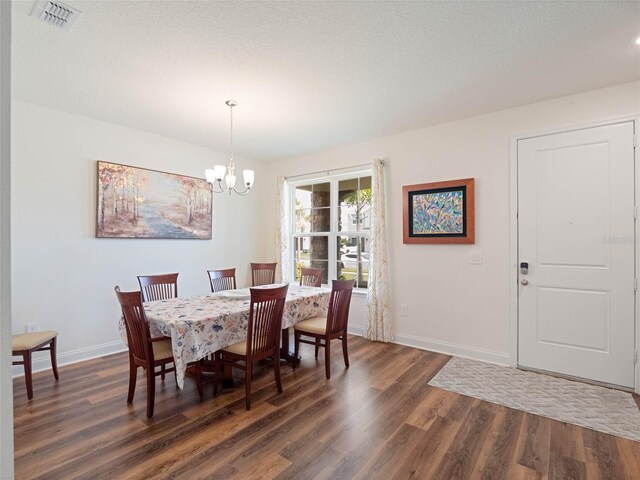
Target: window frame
334, 180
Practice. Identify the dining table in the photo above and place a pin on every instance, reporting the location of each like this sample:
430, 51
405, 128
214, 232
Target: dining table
200, 325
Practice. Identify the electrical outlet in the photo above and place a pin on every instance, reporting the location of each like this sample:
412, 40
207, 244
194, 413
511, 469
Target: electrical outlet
32, 327
404, 310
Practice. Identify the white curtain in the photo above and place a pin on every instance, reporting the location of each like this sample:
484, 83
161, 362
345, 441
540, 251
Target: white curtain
282, 234
379, 312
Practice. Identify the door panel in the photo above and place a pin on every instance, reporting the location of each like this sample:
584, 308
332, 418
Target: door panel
576, 231
574, 318
572, 192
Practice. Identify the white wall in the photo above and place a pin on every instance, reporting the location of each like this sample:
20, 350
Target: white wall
453, 306
6, 383
63, 277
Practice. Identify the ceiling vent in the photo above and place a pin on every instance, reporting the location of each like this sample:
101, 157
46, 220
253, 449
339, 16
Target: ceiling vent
56, 13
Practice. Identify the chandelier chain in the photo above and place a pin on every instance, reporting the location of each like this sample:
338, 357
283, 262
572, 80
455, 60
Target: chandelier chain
231, 136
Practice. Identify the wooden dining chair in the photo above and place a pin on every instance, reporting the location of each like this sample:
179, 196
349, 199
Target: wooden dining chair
146, 351
263, 273
322, 330
158, 287
25, 344
311, 277
222, 279
263, 338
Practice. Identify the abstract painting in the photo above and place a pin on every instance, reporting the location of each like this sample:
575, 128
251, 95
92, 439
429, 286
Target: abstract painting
137, 202
439, 212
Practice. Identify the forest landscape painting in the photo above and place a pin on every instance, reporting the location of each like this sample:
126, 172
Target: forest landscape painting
439, 212
137, 202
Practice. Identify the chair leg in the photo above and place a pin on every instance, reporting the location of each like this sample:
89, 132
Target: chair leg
151, 390
317, 347
162, 372
296, 347
217, 371
345, 353
247, 385
133, 374
175, 374
199, 378
276, 371
54, 361
327, 357
26, 357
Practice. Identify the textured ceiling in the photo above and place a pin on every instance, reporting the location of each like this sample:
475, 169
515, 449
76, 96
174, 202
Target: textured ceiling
313, 75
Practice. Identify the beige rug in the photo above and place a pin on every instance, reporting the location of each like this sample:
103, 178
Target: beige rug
598, 408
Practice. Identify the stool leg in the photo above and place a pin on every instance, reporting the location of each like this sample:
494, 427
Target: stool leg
26, 356
54, 361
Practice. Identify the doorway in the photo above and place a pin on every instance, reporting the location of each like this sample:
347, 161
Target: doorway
576, 240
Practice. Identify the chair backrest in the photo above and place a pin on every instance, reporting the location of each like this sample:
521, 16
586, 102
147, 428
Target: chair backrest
338, 315
263, 273
311, 277
158, 287
265, 319
136, 325
222, 279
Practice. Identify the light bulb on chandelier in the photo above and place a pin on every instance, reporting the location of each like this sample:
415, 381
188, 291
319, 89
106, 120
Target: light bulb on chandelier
216, 174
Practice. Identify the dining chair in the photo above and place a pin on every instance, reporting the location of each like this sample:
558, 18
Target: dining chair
263, 338
311, 277
146, 351
158, 287
222, 279
25, 344
263, 273
334, 326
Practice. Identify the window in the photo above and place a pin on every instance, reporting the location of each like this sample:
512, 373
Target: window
331, 224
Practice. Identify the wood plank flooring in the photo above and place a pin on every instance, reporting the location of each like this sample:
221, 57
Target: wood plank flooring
378, 419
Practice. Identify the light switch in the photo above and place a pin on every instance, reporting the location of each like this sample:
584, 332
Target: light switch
475, 257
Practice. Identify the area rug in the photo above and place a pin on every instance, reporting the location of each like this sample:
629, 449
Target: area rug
590, 406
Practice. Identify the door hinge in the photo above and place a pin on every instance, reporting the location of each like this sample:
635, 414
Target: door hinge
635, 284
635, 357
635, 141
635, 213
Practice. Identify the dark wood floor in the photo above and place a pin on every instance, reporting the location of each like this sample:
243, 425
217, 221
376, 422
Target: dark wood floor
378, 419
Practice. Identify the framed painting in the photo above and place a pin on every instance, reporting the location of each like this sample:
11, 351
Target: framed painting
137, 202
439, 212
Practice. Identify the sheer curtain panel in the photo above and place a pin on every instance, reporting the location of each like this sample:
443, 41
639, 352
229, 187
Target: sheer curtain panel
282, 230
379, 326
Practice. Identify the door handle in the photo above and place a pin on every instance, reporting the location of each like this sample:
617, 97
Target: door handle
524, 282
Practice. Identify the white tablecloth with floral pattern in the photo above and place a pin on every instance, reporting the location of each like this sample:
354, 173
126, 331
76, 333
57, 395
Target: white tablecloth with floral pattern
202, 324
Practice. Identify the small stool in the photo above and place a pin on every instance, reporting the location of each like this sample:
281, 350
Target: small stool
25, 344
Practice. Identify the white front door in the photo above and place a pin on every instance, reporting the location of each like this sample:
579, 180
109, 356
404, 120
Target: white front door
576, 225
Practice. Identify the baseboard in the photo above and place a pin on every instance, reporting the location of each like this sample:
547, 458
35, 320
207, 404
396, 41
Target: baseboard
438, 346
356, 330
82, 354
43, 362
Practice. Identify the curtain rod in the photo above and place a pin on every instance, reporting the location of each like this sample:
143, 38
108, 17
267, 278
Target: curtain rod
330, 171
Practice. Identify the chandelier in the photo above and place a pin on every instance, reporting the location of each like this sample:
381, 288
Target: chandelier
218, 173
